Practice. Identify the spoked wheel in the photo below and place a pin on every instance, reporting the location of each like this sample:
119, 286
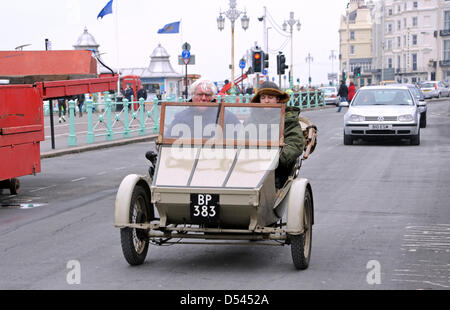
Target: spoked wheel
301, 244
14, 186
135, 241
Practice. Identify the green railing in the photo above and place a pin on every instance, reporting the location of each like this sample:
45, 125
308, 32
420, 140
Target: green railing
112, 119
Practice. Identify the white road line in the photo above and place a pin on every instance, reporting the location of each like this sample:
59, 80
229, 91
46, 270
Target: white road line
102, 173
80, 179
42, 188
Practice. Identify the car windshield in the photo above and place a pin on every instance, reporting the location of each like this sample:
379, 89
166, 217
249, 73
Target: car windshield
427, 85
233, 124
383, 97
328, 90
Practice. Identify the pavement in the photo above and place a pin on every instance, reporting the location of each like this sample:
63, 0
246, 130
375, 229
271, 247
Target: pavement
61, 136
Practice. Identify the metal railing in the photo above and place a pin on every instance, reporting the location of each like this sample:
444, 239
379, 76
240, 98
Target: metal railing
111, 119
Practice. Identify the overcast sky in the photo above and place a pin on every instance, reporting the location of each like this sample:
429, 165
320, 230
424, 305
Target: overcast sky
62, 21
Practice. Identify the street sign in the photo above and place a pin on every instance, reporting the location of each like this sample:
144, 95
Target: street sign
332, 76
186, 54
181, 60
265, 72
186, 46
242, 64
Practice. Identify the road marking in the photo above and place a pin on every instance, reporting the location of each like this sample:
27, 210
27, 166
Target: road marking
42, 188
102, 173
80, 179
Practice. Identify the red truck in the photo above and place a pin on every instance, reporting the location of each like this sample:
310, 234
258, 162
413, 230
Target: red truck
36, 76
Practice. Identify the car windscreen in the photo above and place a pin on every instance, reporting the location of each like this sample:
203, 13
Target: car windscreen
230, 124
383, 97
427, 85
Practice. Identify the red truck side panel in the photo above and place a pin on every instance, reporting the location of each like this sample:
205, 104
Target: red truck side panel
21, 130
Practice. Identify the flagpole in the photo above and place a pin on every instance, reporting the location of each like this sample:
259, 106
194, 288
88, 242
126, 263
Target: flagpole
117, 45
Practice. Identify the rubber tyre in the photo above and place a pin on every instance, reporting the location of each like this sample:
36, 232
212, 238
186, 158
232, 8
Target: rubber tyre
301, 244
135, 241
14, 186
423, 120
415, 140
348, 140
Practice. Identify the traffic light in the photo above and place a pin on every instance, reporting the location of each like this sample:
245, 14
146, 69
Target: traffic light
266, 60
257, 60
344, 75
357, 72
281, 64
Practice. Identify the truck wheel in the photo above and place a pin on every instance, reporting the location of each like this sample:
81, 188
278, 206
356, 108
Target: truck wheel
135, 241
14, 186
301, 244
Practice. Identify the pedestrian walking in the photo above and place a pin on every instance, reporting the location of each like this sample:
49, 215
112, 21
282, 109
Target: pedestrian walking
142, 93
351, 92
129, 92
81, 99
62, 106
343, 93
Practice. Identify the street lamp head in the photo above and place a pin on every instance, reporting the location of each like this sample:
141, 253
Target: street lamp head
245, 21
221, 22
285, 26
299, 25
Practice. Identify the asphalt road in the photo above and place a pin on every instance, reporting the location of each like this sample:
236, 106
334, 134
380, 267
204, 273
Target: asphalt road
381, 212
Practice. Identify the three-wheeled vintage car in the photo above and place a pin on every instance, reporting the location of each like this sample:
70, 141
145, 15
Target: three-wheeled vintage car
213, 177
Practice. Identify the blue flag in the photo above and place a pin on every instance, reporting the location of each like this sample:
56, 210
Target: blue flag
170, 28
106, 10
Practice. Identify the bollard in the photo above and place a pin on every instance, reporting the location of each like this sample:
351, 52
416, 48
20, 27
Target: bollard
126, 123
308, 103
141, 116
155, 115
72, 138
316, 104
90, 138
109, 132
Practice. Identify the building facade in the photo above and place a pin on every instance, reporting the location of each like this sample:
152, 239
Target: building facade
410, 40
355, 34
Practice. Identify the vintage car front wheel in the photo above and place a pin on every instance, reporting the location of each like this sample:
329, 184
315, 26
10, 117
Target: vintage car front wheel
135, 241
301, 244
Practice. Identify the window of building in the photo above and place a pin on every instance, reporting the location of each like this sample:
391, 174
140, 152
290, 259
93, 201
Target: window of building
389, 62
414, 62
414, 21
352, 49
446, 49
352, 35
389, 28
390, 12
414, 39
399, 65
399, 42
447, 20
399, 25
415, 5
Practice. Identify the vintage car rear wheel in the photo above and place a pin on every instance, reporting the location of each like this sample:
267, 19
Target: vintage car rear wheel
301, 244
135, 241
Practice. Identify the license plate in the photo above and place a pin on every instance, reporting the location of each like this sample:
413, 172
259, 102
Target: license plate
380, 127
205, 208
425, 90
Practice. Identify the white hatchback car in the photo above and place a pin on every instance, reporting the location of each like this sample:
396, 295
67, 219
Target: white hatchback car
383, 111
331, 95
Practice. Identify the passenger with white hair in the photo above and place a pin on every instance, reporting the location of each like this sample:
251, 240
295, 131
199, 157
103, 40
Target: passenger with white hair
195, 118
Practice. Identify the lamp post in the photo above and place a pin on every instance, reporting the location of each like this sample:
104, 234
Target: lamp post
291, 22
309, 59
232, 14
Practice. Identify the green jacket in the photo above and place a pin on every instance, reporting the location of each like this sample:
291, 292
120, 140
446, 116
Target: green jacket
293, 138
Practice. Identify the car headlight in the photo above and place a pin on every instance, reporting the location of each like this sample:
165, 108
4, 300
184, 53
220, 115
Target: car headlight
356, 118
406, 118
